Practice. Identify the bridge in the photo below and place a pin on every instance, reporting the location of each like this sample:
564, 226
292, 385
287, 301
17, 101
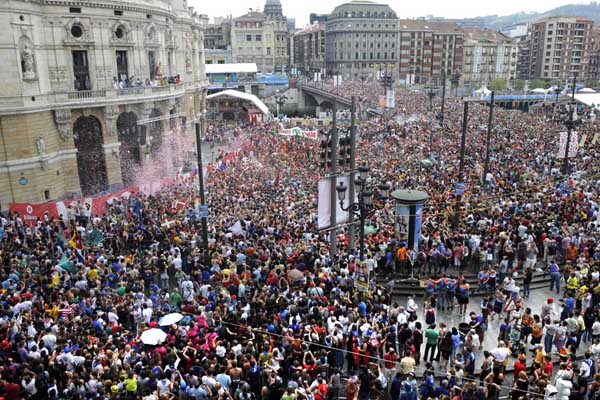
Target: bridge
319, 99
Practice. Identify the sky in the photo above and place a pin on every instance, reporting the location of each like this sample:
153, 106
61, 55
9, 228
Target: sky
300, 9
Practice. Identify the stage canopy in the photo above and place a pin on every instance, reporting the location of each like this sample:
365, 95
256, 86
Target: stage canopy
243, 96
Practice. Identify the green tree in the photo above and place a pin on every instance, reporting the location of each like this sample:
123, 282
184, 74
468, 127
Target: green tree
537, 83
518, 84
591, 83
497, 84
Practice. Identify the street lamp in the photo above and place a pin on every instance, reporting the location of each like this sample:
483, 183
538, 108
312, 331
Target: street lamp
365, 205
570, 119
201, 131
431, 95
280, 100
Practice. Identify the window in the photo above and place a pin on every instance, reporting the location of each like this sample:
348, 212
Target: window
118, 13
258, 38
148, 16
119, 32
268, 51
75, 10
248, 38
76, 31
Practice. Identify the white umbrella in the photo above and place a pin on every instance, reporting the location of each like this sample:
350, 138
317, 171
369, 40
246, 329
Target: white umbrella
170, 319
586, 90
539, 90
153, 336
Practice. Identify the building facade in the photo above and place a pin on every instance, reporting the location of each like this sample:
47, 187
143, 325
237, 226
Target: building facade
262, 38
562, 47
428, 48
309, 50
218, 34
523, 44
488, 55
78, 77
361, 37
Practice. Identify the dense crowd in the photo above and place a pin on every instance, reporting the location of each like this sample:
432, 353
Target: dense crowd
268, 313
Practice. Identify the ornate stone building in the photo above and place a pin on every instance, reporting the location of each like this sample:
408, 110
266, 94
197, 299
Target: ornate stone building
262, 38
77, 77
361, 37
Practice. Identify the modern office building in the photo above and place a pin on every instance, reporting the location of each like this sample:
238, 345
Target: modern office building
427, 48
561, 47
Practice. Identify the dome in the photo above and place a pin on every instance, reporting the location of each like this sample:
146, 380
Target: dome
273, 8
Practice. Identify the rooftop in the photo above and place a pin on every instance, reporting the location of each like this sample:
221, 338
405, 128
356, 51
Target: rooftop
485, 35
358, 6
251, 16
424, 25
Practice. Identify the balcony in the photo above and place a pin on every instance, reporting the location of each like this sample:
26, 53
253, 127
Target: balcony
93, 98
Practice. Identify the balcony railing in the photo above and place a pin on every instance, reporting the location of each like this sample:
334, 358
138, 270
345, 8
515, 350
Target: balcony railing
130, 91
86, 94
91, 96
107, 94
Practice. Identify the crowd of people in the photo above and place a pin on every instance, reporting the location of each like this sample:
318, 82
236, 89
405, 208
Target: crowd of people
271, 312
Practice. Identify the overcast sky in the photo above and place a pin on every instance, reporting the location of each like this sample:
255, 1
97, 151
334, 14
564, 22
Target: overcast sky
300, 9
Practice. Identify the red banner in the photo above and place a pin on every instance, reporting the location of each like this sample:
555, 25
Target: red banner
89, 206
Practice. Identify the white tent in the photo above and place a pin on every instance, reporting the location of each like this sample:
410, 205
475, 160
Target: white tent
483, 91
241, 95
589, 99
586, 90
539, 90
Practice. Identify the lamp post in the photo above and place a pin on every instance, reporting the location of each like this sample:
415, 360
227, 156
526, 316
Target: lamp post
201, 184
280, 100
461, 168
365, 206
441, 119
570, 123
489, 135
455, 81
431, 95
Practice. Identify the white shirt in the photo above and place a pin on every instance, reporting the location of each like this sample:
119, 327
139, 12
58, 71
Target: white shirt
411, 305
147, 314
596, 328
500, 353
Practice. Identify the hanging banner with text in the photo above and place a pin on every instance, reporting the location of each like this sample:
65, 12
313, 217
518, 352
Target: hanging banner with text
297, 132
